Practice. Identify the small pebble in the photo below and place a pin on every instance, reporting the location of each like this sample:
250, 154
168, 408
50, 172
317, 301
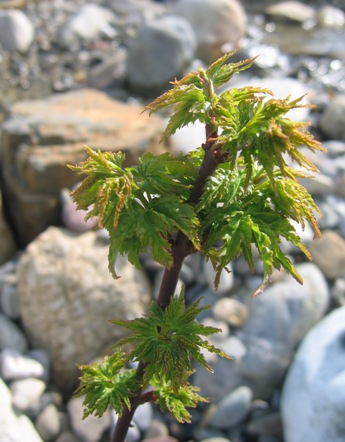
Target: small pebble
13, 365
230, 310
26, 393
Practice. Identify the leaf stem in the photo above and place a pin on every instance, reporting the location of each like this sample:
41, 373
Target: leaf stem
181, 247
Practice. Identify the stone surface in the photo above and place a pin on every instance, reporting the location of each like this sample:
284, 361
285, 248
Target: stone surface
40, 137
162, 51
14, 427
278, 320
232, 409
226, 280
291, 10
332, 121
16, 30
313, 399
215, 22
90, 429
88, 24
68, 296
13, 365
7, 244
234, 312
11, 336
27, 393
48, 423
9, 302
328, 254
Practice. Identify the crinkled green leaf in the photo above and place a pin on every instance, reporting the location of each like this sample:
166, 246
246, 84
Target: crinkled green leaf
176, 401
169, 340
104, 384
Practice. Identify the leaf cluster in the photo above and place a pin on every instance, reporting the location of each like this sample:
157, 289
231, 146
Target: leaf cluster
151, 198
169, 340
104, 384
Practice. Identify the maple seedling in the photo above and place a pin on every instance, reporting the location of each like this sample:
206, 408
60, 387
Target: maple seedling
237, 192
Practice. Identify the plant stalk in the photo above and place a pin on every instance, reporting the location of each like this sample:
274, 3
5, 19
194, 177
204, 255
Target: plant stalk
181, 248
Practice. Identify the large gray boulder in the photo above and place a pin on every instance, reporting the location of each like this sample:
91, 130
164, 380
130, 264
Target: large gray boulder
313, 398
162, 51
67, 297
216, 23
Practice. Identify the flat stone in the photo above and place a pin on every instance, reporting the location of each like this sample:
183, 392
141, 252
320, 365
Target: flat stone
26, 393
40, 137
48, 423
13, 365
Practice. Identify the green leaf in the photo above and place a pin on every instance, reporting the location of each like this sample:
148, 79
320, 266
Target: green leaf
106, 189
169, 340
104, 385
176, 401
220, 71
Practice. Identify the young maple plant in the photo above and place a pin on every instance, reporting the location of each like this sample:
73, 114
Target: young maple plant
235, 192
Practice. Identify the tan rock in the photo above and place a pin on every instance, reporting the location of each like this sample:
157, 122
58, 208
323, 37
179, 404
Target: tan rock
231, 311
67, 297
39, 137
328, 254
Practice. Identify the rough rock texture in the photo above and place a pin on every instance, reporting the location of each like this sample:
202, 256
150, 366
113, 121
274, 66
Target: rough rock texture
39, 137
67, 298
313, 400
215, 23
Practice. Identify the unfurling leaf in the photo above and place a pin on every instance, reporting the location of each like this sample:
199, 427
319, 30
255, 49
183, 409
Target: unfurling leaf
176, 401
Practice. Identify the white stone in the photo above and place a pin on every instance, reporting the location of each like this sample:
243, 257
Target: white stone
313, 399
16, 30
26, 393
15, 366
88, 24
14, 427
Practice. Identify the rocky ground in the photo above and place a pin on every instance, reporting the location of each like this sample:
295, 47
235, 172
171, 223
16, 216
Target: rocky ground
73, 73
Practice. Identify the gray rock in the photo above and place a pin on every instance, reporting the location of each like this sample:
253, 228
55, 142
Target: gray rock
14, 427
67, 436
230, 310
338, 292
9, 301
232, 409
278, 320
313, 399
216, 23
133, 434
88, 24
13, 365
328, 254
68, 296
11, 336
48, 423
109, 71
330, 218
332, 121
334, 148
269, 423
16, 30
26, 394
162, 51
90, 429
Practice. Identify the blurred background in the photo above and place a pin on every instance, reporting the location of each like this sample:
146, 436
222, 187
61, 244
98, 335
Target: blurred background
76, 73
